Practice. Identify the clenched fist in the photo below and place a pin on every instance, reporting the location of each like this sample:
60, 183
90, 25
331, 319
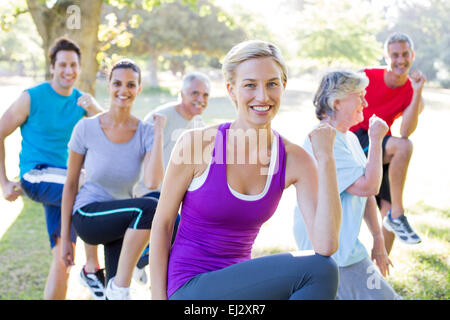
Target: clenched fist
85, 101
11, 190
159, 121
418, 79
322, 140
377, 128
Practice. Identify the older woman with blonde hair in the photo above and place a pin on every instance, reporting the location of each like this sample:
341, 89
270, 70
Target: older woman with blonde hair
224, 203
339, 101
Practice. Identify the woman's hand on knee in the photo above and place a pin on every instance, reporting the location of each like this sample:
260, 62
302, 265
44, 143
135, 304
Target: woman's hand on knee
67, 253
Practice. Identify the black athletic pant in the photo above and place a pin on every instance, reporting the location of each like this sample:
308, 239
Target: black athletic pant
106, 223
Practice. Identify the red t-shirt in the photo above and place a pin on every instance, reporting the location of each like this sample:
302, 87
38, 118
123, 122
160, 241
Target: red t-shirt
384, 102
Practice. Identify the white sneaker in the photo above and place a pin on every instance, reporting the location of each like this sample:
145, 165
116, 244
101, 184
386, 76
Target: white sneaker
140, 275
401, 228
114, 292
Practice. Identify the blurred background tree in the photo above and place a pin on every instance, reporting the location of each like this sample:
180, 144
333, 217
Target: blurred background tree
336, 33
176, 35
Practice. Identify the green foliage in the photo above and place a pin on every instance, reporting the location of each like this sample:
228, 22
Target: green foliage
177, 29
174, 35
20, 46
9, 13
339, 32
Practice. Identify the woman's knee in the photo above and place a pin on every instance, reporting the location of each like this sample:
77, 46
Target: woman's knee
326, 267
149, 205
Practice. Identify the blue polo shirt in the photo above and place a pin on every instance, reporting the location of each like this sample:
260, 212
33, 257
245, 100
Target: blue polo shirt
350, 165
47, 130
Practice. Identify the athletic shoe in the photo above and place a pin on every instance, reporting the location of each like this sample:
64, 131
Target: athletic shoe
95, 282
143, 259
114, 292
401, 228
140, 275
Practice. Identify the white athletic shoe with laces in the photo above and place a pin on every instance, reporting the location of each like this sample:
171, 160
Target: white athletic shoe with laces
114, 292
401, 228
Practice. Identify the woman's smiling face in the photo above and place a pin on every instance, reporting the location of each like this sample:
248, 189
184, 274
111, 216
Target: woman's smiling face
124, 87
257, 90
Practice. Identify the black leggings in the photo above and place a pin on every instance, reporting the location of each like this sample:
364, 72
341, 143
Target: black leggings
106, 223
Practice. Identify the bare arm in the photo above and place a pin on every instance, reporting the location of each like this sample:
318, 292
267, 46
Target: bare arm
13, 118
70, 190
317, 191
153, 162
178, 177
88, 102
410, 116
379, 253
369, 183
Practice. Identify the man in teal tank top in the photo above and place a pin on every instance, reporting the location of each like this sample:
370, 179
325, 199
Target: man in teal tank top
46, 115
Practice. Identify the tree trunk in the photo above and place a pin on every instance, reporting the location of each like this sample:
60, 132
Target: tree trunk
80, 23
153, 69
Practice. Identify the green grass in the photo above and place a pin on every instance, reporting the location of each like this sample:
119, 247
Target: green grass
25, 255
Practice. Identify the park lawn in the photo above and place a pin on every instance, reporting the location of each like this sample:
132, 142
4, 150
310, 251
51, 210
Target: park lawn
25, 255
421, 272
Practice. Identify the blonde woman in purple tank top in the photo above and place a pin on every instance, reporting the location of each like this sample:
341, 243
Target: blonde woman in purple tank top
229, 180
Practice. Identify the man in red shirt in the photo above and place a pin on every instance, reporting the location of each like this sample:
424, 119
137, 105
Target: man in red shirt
393, 93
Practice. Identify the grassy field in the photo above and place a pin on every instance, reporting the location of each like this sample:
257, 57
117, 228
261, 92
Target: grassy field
420, 271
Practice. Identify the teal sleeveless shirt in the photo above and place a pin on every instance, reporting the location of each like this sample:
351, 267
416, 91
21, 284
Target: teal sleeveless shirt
47, 130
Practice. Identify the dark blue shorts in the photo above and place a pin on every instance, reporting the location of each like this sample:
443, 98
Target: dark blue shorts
45, 184
107, 222
385, 189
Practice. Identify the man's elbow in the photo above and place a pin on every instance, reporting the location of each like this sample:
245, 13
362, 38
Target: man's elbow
152, 183
328, 249
371, 190
327, 252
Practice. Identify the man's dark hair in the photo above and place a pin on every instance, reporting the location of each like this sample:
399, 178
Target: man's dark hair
64, 44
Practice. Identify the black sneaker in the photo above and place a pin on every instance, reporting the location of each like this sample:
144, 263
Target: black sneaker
401, 228
95, 282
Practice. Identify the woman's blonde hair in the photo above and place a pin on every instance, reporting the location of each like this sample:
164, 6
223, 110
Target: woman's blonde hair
337, 85
249, 50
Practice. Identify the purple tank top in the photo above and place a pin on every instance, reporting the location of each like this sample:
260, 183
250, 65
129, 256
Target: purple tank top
217, 229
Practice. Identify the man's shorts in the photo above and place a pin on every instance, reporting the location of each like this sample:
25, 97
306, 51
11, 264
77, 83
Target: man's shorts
385, 190
45, 184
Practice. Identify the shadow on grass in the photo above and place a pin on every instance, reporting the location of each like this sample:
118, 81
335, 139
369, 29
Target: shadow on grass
25, 255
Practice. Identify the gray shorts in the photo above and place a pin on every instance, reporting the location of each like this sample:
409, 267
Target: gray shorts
363, 281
